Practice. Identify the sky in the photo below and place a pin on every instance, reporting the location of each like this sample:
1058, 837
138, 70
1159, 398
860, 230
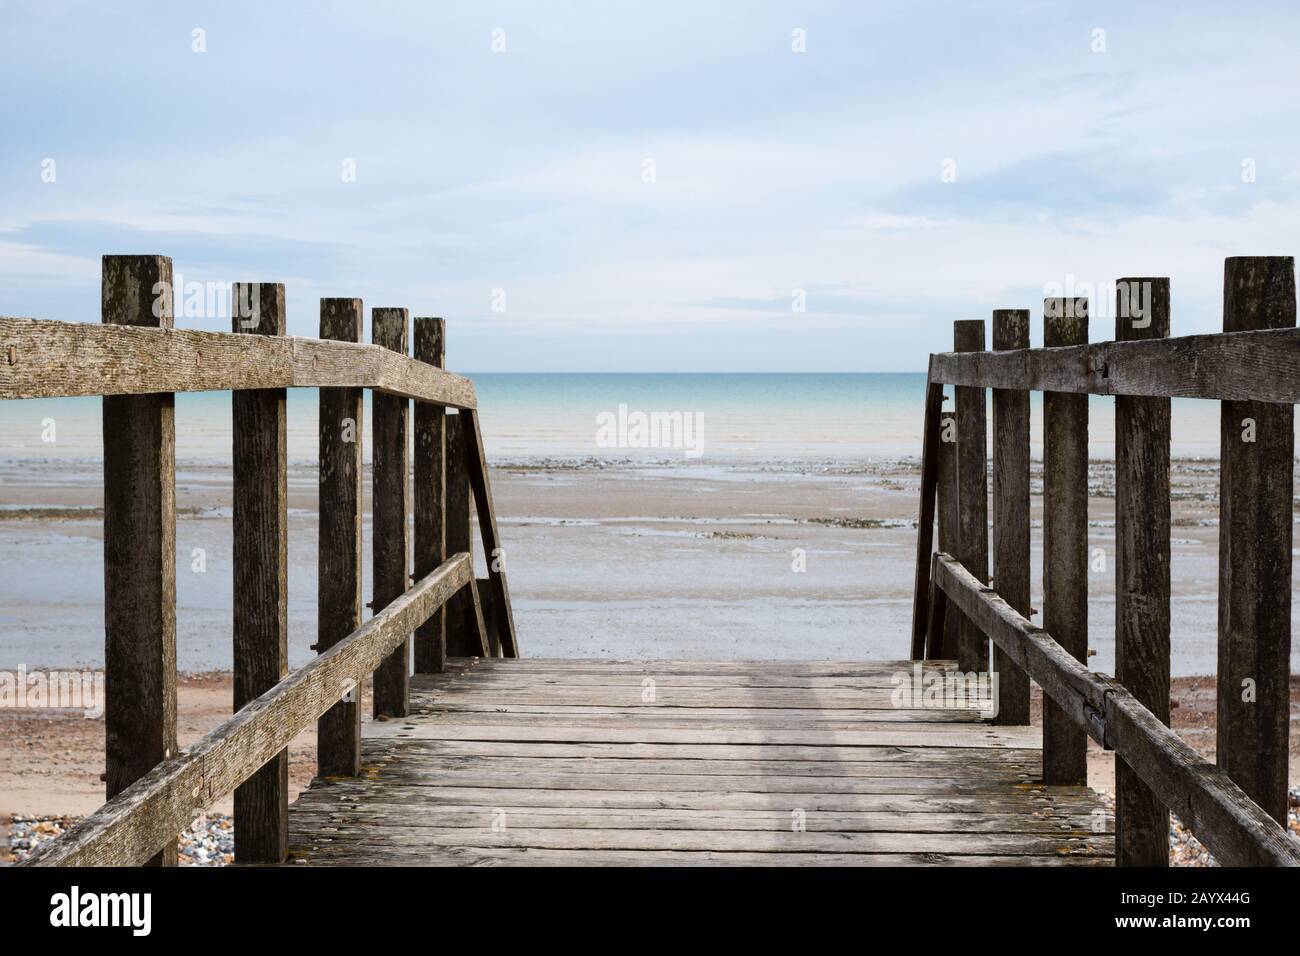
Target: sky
619, 186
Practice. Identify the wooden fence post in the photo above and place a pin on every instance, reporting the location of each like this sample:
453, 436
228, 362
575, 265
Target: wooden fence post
430, 497
1257, 455
338, 732
972, 492
925, 521
1065, 539
390, 506
1011, 511
502, 641
261, 589
461, 641
139, 545
1141, 568
942, 642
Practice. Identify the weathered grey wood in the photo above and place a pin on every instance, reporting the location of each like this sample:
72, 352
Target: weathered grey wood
390, 503
1142, 568
338, 598
461, 639
1219, 813
1256, 486
942, 642
139, 546
430, 496
261, 586
972, 490
925, 522
494, 551
1011, 511
1253, 366
131, 826
488, 610
1065, 538
61, 358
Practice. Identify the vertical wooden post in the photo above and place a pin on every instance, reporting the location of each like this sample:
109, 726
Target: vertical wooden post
1065, 539
338, 732
139, 545
390, 504
972, 492
1257, 454
1011, 511
941, 644
430, 497
261, 605
461, 642
925, 522
503, 642
1141, 568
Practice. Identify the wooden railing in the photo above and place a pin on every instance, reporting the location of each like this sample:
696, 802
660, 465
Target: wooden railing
1238, 806
136, 360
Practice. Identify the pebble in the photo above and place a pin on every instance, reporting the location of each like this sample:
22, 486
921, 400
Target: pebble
208, 841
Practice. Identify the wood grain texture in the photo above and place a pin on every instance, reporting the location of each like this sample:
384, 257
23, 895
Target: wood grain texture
338, 595
494, 551
260, 532
64, 359
1256, 488
390, 503
1011, 511
462, 641
430, 496
942, 642
1142, 568
925, 521
1065, 537
139, 546
1252, 366
130, 827
1219, 813
972, 490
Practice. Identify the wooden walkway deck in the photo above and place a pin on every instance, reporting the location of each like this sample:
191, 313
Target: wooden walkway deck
536, 762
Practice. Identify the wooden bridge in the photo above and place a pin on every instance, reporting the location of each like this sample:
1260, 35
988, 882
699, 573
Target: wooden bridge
484, 758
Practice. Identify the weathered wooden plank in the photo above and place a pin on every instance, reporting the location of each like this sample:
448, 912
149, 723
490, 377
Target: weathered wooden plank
261, 586
1251, 366
1011, 511
147, 814
390, 504
430, 496
930, 434
338, 595
1142, 568
139, 545
461, 620
700, 758
1234, 828
605, 666
1256, 487
942, 641
1065, 538
64, 358
494, 552
972, 491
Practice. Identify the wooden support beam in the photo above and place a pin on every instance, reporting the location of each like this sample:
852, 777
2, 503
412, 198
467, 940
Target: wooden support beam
49, 359
925, 522
261, 587
1142, 569
1257, 456
430, 496
1065, 538
338, 599
139, 546
390, 501
461, 639
972, 490
131, 826
941, 644
494, 552
1011, 511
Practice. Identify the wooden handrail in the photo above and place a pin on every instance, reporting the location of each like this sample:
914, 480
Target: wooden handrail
1262, 366
130, 828
1218, 811
41, 358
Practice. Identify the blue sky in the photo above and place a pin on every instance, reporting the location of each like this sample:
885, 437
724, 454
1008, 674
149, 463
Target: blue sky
524, 170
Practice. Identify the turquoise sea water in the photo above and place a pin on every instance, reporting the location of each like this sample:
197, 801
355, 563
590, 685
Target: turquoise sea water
850, 416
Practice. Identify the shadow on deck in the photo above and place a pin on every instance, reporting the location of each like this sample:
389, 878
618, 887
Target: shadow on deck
592, 762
